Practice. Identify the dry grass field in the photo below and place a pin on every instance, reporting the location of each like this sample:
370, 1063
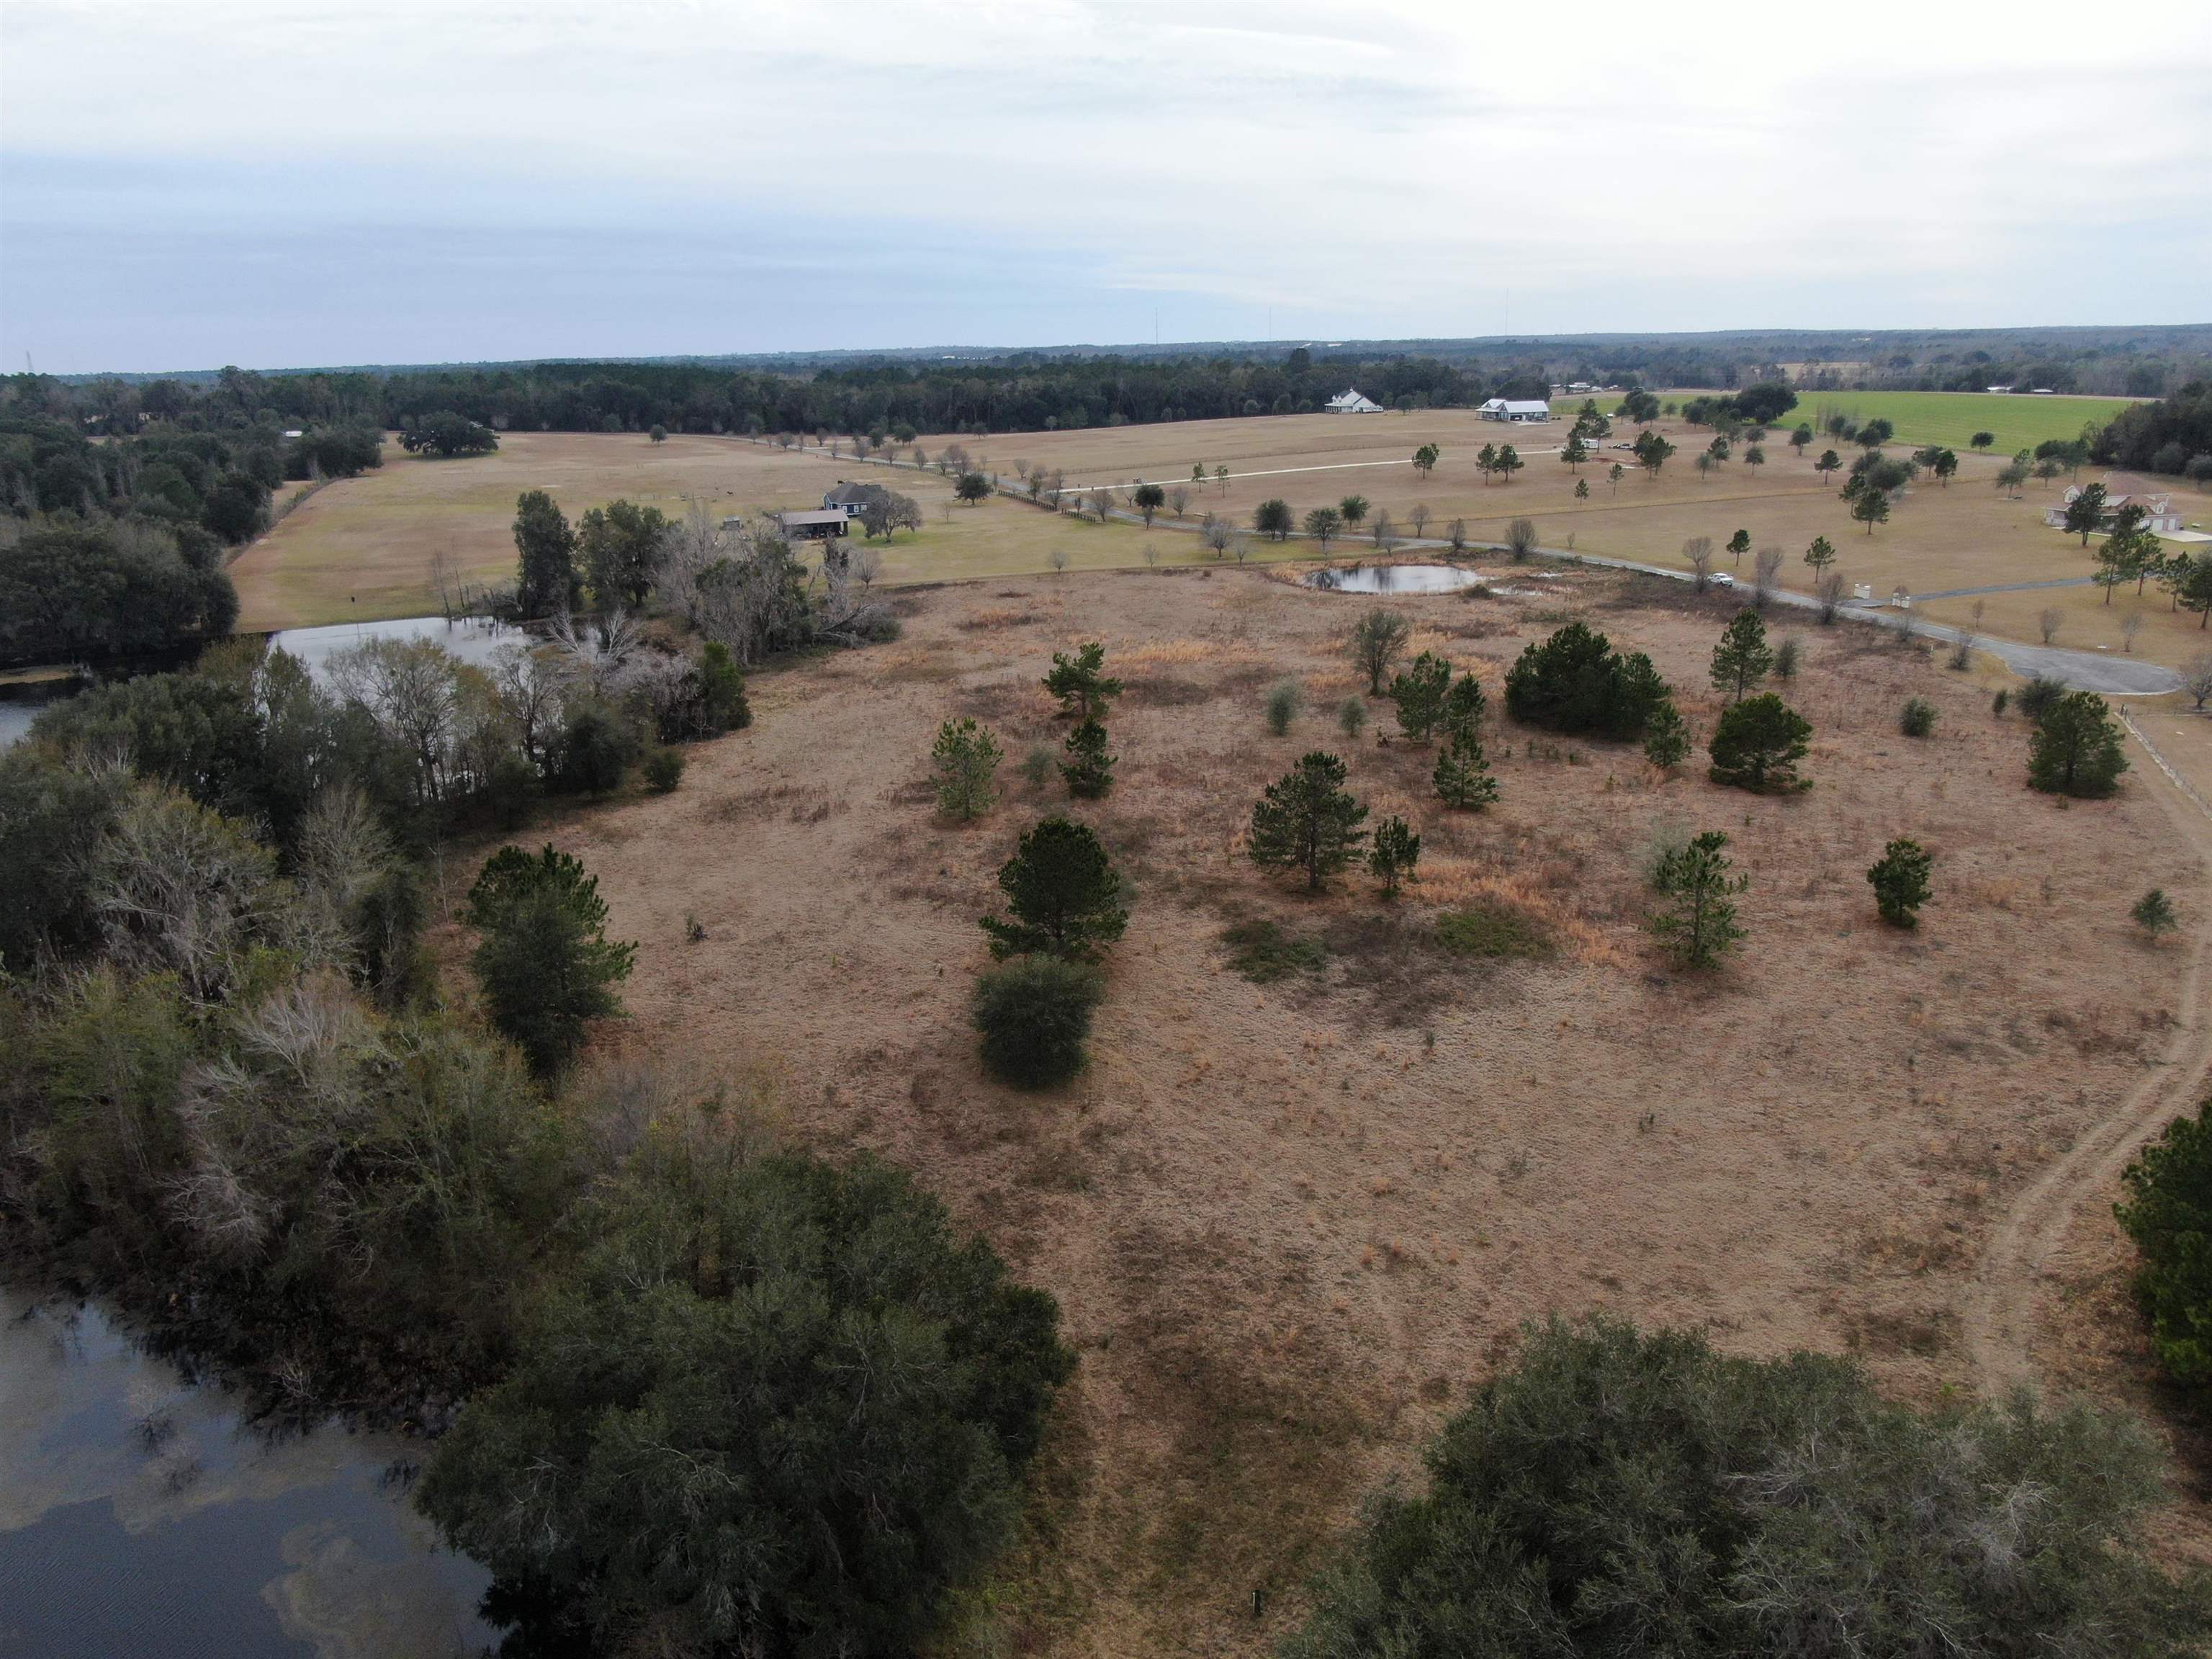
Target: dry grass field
360, 549
1291, 1225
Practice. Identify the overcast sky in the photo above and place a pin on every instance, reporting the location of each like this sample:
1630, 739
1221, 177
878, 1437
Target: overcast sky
188, 184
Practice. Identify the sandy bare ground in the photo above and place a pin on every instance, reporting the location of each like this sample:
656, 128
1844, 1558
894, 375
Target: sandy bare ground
1292, 1225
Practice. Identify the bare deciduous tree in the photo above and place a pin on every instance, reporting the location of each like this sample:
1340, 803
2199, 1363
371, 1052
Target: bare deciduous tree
1698, 553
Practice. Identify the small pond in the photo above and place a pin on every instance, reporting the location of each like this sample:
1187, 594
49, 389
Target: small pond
1394, 579
140, 1515
472, 639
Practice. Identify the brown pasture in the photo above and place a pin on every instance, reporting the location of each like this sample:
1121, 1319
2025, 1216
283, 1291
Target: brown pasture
1292, 1225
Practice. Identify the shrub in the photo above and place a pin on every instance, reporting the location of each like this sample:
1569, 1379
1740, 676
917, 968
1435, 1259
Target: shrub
1089, 768
782, 1409
2039, 695
1698, 926
1305, 820
1757, 744
1352, 717
1619, 1493
2075, 749
1899, 879
1263, 953
544, 961
1282, 702
1035, 1015
664, 770
1420, 694
2154, 913
1917, 718
1062, 895
1394, 853
1575, 681
964, 762
1484, 929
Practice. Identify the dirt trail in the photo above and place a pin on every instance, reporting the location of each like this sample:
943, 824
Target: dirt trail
2001, 1303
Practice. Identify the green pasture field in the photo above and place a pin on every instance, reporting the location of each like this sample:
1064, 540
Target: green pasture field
2019, 421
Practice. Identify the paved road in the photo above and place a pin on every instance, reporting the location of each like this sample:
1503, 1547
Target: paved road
2086, 671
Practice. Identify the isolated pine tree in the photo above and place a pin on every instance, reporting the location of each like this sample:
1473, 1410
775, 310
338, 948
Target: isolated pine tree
1463, 774
1307, 822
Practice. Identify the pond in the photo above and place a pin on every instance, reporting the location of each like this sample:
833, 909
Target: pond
1394, 579
139, 1514
472, 639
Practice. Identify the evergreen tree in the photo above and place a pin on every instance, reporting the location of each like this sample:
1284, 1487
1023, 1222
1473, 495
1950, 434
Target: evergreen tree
1899, 879
1758, 744
1081, 683
544, 961
1463, 773
1666, 737
1742, 659
1306, 821
2076, 749
546, 584
1088, 770
965, 759
1420, 693
1464, 705
1062, 893
2154, 913
1698, 926
1395, 851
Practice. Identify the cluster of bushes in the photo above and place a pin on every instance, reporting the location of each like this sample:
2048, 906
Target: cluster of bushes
1617, 1492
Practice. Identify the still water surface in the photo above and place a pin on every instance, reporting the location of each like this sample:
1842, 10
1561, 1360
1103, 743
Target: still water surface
139, 1514
1394, 579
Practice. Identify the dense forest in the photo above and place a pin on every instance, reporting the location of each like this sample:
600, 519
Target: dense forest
975, 393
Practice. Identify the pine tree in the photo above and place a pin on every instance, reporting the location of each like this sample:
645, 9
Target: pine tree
1081, 683
1463, 774
1742, 659
1666, 737
1464, 705
1305, 820
1089, 768
1419, 693
1699, 926
1396, 850
2075, 748
1899, 879
965, 758
1062, 893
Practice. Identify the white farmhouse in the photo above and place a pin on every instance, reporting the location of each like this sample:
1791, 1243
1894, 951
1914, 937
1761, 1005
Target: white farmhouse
1516, 409
1349, 402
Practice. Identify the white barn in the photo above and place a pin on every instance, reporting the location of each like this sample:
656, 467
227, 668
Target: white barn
1349, 402
1516, 409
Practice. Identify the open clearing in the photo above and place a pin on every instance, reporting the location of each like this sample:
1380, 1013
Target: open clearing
1291, 1224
